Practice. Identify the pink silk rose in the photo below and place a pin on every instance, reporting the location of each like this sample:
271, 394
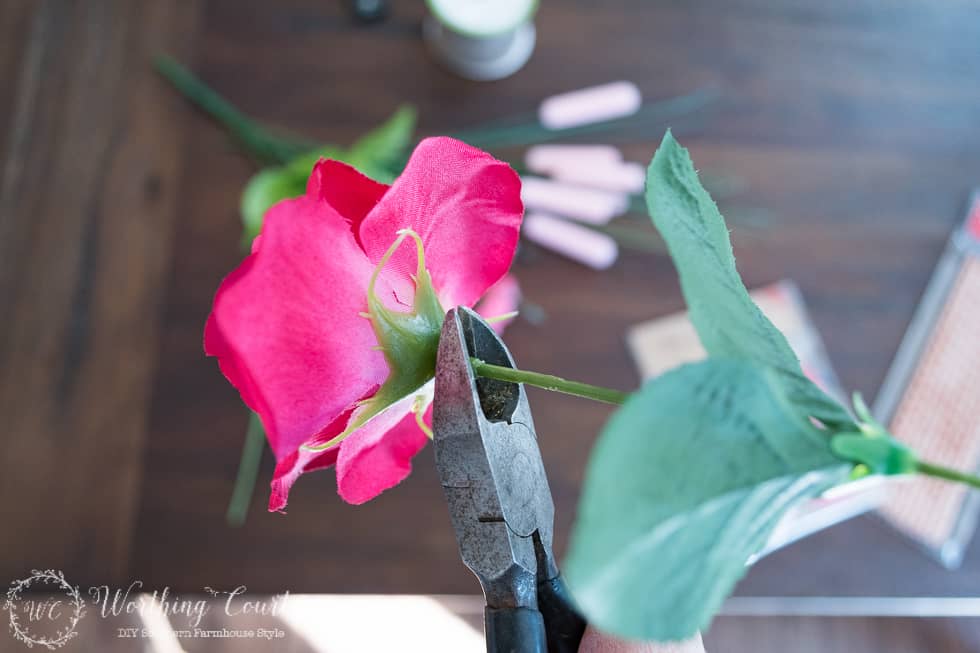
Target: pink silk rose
328, 328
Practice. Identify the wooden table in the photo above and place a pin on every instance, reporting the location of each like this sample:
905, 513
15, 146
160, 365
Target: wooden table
854, 125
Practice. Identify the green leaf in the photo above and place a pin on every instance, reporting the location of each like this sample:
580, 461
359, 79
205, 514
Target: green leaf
272, 185
685, 484
380, 153
728, 322
264, 189
302, 165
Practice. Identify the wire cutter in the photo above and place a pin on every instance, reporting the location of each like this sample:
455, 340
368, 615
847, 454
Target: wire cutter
499, 500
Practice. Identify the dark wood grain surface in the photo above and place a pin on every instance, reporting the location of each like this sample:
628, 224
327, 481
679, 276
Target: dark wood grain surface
88, 193
854, 125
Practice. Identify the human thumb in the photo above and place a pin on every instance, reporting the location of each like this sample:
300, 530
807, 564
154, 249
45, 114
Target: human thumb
596, 642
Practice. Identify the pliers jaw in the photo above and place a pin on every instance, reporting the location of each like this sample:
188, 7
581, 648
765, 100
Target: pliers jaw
490, 466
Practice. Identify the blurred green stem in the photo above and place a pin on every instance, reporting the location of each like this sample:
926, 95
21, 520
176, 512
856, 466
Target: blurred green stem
945, 473
267, 148
248, 472
530, 131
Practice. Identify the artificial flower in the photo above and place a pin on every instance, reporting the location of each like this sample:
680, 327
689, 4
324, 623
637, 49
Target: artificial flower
298, 328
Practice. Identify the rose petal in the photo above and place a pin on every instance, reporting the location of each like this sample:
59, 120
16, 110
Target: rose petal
378, 456
304, 460
291, 467
285, 324
348, 191
467, 208
503, 297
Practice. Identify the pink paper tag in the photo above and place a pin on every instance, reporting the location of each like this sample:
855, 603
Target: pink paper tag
588, 105
587, 246
546, 159
583, 204
625, 177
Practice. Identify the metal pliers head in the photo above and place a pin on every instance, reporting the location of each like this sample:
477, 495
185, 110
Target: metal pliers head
490, 466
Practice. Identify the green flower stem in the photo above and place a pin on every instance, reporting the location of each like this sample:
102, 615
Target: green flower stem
548, 382
268, 148
248, 471
503, 134
938, 471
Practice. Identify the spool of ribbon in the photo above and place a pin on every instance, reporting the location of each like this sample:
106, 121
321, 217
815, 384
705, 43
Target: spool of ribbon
481, 40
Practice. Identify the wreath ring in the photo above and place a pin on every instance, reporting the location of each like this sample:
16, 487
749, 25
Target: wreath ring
59, 638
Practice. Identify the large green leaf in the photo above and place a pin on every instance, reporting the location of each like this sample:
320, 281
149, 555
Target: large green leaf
380, 153
727, 320
265, 188
271, 185
685, 484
